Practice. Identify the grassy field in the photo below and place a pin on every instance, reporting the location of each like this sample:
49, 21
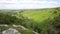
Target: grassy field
41, 17
38, 16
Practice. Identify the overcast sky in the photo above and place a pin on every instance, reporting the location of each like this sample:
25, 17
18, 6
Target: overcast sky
28, 4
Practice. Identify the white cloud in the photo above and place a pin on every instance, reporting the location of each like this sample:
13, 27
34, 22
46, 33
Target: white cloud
26, 4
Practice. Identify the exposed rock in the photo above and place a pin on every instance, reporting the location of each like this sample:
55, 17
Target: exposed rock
16, 25
22, 27
4, 25
11, 31
35, 32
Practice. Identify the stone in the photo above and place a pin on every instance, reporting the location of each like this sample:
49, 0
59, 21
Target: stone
35, 32
23, 28
4, 25
20, 27
11, 31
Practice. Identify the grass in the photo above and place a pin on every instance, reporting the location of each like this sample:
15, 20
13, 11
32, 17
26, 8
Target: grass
38, 16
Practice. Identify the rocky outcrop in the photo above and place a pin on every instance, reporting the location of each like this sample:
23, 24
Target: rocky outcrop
11, 31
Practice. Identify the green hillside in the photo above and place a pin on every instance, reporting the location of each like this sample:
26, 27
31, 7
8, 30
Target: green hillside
43, 18
38, 20
38, 16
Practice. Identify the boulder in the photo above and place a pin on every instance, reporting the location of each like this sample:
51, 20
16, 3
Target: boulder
11, 31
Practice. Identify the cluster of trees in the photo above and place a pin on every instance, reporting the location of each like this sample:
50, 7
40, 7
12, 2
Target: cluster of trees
55, 27
11, 19
6, 19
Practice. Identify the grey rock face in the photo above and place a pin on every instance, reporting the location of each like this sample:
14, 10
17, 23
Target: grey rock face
35, 32
20, 26
10, 31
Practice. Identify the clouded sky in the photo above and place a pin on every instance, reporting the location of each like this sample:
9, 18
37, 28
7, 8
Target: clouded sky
28, 4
